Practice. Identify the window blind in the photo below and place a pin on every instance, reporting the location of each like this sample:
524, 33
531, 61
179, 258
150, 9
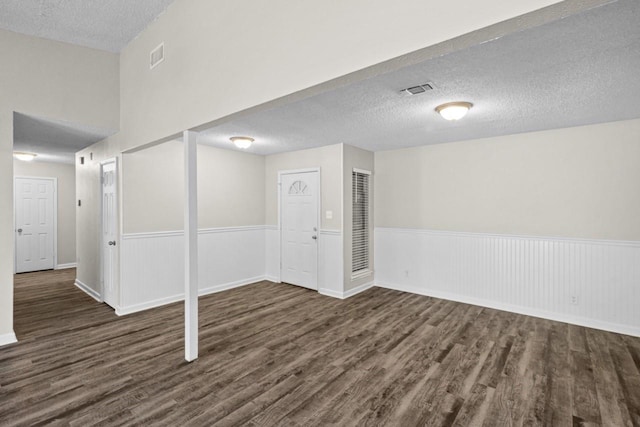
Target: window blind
360, 209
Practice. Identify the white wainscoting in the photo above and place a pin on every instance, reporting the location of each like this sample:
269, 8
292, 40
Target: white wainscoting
152, 264
272, 253
593, 283
330, 270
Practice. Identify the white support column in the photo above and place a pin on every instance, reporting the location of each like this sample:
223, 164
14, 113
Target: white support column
190, 246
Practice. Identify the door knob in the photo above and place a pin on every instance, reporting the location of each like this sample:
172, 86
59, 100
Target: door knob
19, 230
112, 243
314, 237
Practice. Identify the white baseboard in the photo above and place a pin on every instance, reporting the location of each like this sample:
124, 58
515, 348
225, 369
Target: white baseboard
6, 339
358, 289
123, 311
347, 294
86, 289
230, 285
330, 293
559, 317
64, 266
273, 279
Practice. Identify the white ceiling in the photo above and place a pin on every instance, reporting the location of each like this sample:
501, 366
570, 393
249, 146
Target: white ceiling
579, 70
100, 24
53, 140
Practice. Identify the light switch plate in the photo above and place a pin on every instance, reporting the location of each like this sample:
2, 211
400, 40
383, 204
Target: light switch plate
329, 215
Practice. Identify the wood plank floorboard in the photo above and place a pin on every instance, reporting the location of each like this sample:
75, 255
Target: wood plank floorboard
278, 355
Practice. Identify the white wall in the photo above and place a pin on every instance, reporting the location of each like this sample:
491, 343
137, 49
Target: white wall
231, 205
88, 215
47, 79
230, 188
236, 246
329, 160
542, 223
578, 182
66, 176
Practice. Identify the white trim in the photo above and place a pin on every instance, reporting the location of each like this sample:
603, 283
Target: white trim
6, 339
362, 171
634, 243
295, 171
65, 266
123, 311
151, 234
292, 172
87, 290
328, 232
574, 320
173, 233
273, 279
331, 293
362, 273
347, 294
55, 219
230, 229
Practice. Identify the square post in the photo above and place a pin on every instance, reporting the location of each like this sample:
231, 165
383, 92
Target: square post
190, 246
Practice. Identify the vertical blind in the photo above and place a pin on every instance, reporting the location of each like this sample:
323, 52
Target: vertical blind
360, 209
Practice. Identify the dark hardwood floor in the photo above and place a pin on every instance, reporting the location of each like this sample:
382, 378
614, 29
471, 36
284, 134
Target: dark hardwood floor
274, 354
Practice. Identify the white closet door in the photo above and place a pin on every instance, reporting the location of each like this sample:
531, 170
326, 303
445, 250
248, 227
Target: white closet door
35, 226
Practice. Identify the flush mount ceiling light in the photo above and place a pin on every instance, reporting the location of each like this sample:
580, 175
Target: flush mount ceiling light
454, 110
242, 142
25, 157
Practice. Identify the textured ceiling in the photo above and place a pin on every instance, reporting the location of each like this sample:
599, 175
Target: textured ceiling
579, 70
53, 141
101, 24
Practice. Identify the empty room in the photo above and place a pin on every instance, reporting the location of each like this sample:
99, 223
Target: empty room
320, 213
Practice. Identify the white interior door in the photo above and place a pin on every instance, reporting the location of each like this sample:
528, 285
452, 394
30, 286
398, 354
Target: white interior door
299, 196
109, 232
35, 224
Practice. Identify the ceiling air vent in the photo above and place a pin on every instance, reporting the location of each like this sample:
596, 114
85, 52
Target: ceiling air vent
156, 57
415, 90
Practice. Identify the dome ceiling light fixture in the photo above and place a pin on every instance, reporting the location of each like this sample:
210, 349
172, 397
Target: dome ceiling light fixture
242, 142
25, 157
454, 110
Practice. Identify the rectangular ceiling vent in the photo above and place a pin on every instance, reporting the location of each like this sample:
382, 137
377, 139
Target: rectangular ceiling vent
416, 90
156, 57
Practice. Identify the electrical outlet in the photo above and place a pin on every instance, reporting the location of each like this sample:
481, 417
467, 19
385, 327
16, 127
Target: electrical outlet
574, 299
